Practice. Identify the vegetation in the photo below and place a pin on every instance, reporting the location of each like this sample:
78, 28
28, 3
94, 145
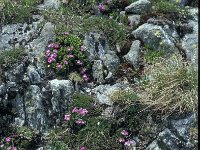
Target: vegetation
171, 86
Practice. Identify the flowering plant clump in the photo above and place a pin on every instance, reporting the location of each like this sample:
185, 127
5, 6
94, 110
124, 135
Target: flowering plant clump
125, 141
8, 143
76, 118
68, 54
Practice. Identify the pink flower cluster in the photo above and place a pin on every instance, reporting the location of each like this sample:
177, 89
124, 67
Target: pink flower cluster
102, 7
80, 112
8, 140
83, 148
129, 143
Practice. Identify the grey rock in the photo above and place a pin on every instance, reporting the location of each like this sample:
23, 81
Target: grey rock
103, 92
155, 37
194, 25
38, 45
134, 54
139, 7
190, 45
97, 45
19, 106
33, 75
2, 89
61, 90
111, 61
153, 146
50, 4
97, 71
34, 108
134, 20
182, 126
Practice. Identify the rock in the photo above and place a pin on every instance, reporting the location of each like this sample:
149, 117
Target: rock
134, 20
103, 92
34, 108
50, 4
194, 25
153, 146
19, 106
97, 71
155, 37
194, 13
134, 54
61, 90
111, 61
37, 46
33, 75
2, 89
139, 7
182, 126
97, 45
100, 53
190, 45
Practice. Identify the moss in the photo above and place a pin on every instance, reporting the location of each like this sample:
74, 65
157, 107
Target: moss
81, 100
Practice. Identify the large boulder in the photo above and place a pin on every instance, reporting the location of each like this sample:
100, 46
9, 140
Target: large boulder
155, 37
50, 4
139, 7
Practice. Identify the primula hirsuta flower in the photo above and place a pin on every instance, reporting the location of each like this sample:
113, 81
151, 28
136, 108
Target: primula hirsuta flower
8, 139
121, 140
82, 48
51, 59
65, 62
129, 143
124, 132
79, 62
70, 56
80, 122
83, 148
59, 65
83, 70
53, 45
85, 77
48, 53
69, 48
55, 51
66, 33
67, 117
75, 110
82, 111
14, 148
102, 7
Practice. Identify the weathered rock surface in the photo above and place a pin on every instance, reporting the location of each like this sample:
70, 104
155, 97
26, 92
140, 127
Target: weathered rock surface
139, 7
134, 20
155, 37
134, 54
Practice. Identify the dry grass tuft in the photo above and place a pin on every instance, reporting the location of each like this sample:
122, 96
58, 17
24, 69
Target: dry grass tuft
171, 86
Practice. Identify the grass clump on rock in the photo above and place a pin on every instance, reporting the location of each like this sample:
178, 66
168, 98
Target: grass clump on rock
171, 86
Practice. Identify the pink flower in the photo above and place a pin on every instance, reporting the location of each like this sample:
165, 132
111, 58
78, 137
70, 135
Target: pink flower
124, 132
66, 33
53, 45
130, 143
83, 148
82, 111
69, 48
75, 110
80, 122
55, 51
48, 52
70, 56
82, 49
83, 70
65, 62
51, 59
14, 148
108, 1
59, 65
67, 117
85, 77
8, 139
121, 140
102, 7
54, 55
79, 62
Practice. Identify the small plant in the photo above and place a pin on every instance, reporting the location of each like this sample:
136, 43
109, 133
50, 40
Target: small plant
68, 54
124, 96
